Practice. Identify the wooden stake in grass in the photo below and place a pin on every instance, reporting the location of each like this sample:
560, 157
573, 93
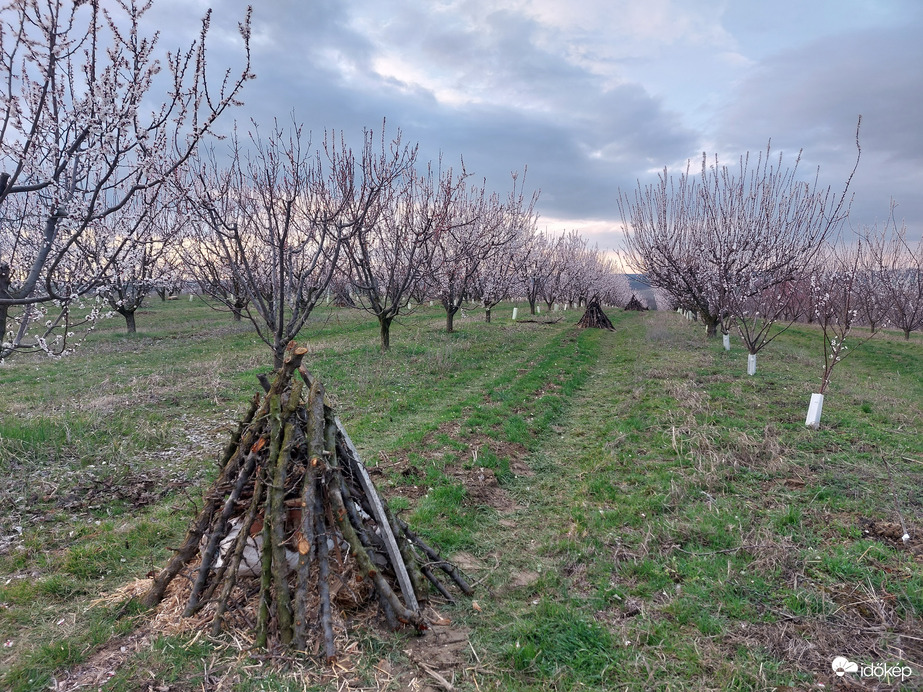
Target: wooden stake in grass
306, 512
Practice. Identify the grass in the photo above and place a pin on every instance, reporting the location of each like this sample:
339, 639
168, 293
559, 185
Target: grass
639, 513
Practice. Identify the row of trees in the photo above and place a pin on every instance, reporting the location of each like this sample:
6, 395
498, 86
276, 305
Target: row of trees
93, 128
268, 225
107, 195
284, 224
756, 248
727, 243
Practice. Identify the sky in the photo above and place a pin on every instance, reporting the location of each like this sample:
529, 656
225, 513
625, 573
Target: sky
594, 97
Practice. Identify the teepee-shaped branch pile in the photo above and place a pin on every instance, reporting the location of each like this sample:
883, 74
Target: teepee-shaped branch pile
292, 515
635, 304
595, 317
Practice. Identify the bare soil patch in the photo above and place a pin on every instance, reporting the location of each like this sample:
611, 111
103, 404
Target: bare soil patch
892, 534
483, 489
408, 480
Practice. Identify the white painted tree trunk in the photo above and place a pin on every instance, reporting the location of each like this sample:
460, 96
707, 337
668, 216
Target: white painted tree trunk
727, 341
751, 363
515, 312
814, 410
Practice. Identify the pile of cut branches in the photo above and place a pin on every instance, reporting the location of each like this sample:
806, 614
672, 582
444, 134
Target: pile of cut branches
294, 526
635, 304
595, 317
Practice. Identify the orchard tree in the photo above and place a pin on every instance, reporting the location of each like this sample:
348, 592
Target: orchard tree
798, 298
473, 232
765, 227
210, 266
90, 117
497, 277
536, 266
276, 218
143, 263
560, 259
871, 296
172, 279
836, 284
725, 242
665, 241
388, 259
663, 300
614, 288
897, 267
594, 275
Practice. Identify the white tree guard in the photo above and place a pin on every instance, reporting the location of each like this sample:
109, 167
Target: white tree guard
814, 410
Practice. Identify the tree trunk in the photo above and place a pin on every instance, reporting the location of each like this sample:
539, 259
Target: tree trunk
384, 324
129, 316
4, 293
450, 319
907, 334
237, 309
531, 306
711, 326
487, 315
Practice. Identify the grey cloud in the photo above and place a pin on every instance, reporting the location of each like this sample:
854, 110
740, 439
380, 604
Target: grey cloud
811, 98
555, 119
583, 135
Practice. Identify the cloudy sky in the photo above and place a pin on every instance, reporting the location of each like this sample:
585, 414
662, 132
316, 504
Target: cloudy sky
595, 95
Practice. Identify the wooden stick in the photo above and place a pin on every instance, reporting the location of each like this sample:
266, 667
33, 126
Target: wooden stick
306, 545
428, 573
407, 552
306, 541
362, 557
219, 532
279, 454
190, 545
262, 615
390, 617
371, 542
378, 511
323, 582
239, 546
445, 566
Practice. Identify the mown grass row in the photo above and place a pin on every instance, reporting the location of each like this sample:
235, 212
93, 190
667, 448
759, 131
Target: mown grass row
704, 538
